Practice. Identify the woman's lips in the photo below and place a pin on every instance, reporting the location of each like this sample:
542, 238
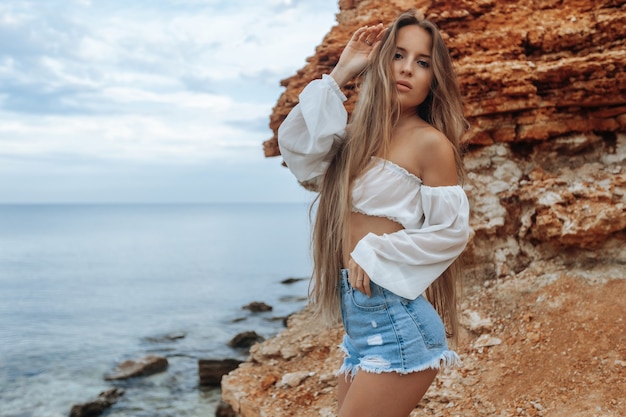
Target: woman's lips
404, 86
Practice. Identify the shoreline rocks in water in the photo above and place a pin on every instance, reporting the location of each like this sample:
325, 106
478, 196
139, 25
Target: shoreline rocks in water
245, 339
258, 307
143, 367
166, 338
211, 371
94, 408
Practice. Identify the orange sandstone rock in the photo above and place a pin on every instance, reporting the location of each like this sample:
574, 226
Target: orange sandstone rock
544, 84
528, 70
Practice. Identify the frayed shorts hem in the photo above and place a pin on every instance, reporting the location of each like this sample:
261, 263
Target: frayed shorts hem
446, 359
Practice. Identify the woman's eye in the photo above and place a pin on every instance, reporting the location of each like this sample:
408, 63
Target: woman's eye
423, 64
397, 56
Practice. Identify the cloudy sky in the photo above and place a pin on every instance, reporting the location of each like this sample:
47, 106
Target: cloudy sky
148, 100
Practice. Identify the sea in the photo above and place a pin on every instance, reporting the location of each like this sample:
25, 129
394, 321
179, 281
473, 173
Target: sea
86, 287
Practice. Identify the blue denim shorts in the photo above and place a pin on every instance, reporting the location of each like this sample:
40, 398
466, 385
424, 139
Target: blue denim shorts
389, 333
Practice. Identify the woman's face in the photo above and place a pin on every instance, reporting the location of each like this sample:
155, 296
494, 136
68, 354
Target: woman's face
412, 66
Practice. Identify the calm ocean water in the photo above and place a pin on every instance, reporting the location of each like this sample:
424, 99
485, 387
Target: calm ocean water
84, 287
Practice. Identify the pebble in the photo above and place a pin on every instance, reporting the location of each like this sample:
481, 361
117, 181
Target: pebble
295, 378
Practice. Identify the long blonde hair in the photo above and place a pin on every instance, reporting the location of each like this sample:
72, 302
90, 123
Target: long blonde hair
369, 133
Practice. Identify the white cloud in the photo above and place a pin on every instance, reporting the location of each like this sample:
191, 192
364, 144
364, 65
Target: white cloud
188, 81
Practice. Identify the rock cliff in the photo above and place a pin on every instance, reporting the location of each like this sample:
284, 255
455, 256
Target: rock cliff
544, 83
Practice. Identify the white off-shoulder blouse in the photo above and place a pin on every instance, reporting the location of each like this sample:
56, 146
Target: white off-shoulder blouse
435, 220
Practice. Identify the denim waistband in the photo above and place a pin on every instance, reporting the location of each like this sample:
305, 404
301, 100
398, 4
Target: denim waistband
343, 276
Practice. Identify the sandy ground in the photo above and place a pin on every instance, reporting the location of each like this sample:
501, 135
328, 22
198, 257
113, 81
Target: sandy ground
562, 352
551, 346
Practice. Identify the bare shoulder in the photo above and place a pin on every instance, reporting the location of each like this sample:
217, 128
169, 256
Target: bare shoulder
430, 138
436, 157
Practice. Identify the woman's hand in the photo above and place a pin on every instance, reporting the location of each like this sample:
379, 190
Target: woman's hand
358, 278
357, 53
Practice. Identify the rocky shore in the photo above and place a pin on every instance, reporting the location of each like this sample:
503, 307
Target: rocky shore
544, 83
129, 374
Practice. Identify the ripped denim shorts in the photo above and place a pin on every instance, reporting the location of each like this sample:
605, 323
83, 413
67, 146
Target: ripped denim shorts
389, 333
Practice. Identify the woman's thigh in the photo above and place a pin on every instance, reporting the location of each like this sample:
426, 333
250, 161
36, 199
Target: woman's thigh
382, 395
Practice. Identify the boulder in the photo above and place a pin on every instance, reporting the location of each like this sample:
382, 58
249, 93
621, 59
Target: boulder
211, 371
289, 281
225, 410
257, 307
166, 338
142, 367
245, 340
94, 408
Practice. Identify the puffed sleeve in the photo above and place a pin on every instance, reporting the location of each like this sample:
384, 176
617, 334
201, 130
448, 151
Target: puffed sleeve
408, 261
307, 134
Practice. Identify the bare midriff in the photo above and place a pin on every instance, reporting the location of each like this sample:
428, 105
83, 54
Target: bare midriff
362, 224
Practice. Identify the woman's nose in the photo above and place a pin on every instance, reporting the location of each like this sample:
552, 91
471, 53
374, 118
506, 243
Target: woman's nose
406, 68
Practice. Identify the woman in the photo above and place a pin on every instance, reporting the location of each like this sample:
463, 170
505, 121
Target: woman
391, 218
